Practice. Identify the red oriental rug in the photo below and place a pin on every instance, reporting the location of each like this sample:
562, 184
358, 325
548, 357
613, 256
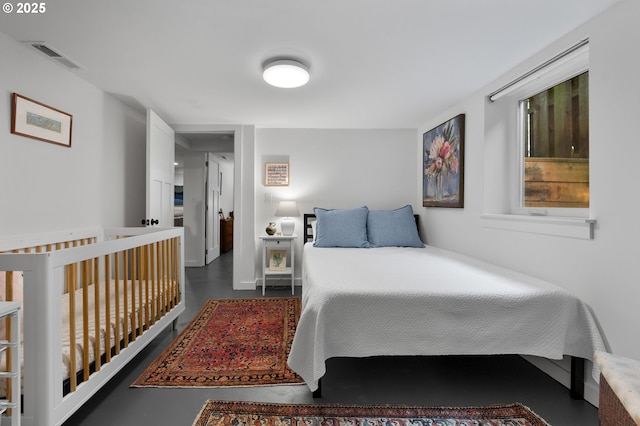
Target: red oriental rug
236, 342
252, 413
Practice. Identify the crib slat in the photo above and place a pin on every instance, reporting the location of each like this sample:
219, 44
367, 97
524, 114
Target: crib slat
134, 280
154, 283
85, 318
71, 284
96, 312
140, 286
148, 300
116, 273
145, 288
107, 307
159, 278
174, 269
171, 277
125, 298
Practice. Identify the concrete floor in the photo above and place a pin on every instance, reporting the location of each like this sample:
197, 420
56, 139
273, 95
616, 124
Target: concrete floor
428, 381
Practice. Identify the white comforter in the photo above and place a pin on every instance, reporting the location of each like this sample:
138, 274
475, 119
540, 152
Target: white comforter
428, 301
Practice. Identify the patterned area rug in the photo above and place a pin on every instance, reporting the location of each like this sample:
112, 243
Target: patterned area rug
251, 413
237, 342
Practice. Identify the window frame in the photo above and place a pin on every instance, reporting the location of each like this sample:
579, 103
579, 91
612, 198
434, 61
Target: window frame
566, 222
517, 201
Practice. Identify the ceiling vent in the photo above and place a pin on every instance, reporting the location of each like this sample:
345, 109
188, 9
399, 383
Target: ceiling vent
52, 53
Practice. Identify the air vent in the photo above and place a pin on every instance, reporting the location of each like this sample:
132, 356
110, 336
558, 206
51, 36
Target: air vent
54, 54
47, 51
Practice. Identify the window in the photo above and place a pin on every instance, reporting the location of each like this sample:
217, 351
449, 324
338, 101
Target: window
555, 146
537, 149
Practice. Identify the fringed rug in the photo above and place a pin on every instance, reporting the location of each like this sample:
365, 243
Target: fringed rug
236, 342
252, 413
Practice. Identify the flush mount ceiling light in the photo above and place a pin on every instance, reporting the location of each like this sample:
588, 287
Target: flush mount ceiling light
285, 73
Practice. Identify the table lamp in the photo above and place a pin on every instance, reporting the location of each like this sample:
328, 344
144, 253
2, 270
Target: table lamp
287, 210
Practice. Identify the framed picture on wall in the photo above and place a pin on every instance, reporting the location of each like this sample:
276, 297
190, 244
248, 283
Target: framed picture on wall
443, 165
39, 121
276, 174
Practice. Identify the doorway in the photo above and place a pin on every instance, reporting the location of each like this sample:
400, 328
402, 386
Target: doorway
204, 172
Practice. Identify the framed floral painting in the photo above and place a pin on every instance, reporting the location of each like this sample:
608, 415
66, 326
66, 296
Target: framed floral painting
443, 164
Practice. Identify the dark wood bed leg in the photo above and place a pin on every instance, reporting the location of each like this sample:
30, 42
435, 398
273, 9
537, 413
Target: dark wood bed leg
577, 378
174, 324
318, 392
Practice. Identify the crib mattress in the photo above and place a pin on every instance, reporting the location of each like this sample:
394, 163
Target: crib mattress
79, 313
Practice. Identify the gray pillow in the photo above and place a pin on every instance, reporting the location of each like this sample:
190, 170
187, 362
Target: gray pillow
393, 228
341, 227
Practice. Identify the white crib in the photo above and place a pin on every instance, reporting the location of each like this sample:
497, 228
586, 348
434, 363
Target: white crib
105, 292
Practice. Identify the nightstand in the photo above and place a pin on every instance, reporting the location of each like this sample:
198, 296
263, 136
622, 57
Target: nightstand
274, 257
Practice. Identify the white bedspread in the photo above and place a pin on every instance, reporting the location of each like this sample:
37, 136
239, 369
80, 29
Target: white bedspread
414, 301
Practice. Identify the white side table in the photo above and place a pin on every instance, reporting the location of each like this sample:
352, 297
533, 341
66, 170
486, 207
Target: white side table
10, 310
277, 242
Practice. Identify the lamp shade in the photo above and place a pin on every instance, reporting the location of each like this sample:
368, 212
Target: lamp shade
287, 209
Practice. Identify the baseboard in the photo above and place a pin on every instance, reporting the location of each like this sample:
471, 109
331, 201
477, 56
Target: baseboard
246, 285
297, 282
560, 370
252, 285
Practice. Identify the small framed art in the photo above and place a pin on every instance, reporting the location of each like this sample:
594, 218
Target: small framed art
276, 174
443, 165
278, 260
36, 120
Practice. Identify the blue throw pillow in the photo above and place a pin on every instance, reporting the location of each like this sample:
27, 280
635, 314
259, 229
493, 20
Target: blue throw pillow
341, 228
393, 228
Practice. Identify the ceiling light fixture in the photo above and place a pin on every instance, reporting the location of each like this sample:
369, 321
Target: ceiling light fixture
285, 73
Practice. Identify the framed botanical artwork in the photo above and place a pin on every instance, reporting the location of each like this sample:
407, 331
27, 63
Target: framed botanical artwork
39, 121
277, 260
443, 165
276, 174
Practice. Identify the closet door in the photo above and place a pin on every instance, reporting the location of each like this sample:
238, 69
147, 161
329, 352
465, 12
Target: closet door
160, 172
212, 226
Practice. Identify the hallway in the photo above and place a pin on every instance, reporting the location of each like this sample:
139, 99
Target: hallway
430, 381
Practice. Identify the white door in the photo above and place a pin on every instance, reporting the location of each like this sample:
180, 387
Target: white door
212, 221
160, 171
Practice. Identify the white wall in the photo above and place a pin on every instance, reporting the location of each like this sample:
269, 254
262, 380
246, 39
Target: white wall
123, 161
48, 187
334, 169
603, 272
194, 207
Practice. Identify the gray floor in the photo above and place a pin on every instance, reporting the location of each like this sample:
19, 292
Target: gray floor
429, 381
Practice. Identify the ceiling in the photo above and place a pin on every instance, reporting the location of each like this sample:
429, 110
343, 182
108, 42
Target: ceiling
373, 63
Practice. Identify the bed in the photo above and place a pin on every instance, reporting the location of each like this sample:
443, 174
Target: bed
379, 291
92, 299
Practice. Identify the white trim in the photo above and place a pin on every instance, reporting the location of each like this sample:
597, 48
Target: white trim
581, 228
564, 222
246, 285
577, 54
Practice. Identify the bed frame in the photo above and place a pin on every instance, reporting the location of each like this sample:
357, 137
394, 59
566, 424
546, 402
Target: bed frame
148, 263
577, 364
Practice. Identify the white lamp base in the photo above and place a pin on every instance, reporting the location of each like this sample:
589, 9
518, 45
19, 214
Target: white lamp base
287, 226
